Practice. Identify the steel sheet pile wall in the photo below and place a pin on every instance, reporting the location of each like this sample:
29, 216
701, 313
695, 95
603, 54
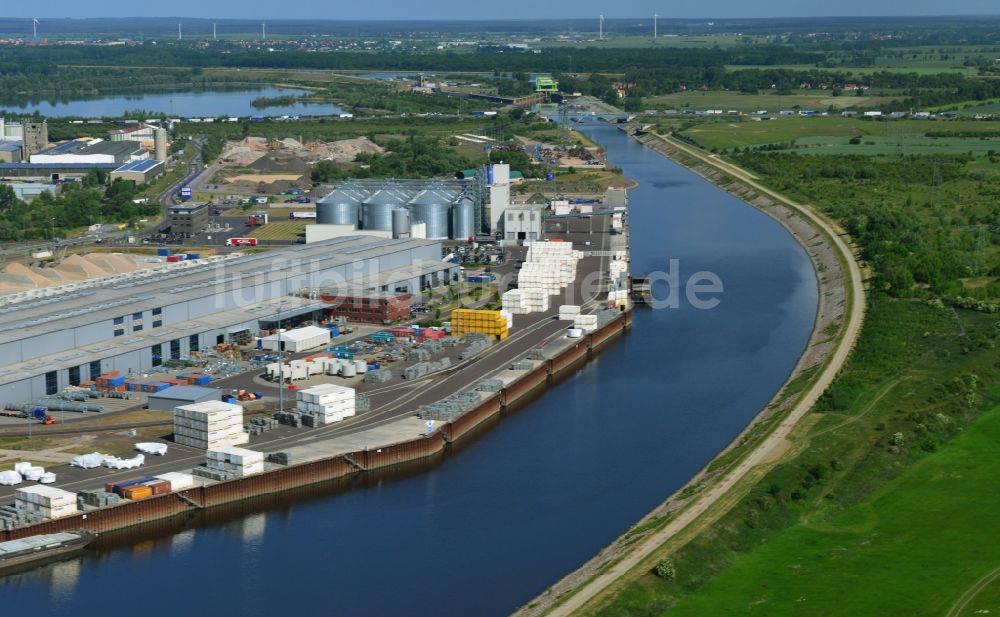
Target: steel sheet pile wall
172, 504
474, 417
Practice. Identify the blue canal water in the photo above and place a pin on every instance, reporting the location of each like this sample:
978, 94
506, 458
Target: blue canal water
498, 522
198, 104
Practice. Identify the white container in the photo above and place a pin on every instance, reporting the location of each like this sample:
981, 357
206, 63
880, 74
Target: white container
47, 478
574, 333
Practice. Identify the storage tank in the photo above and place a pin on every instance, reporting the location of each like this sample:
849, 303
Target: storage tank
376, 211
433, 207
340, 207
463, 219
400, 223
160, 144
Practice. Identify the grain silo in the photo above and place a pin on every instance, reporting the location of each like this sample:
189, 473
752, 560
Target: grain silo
341, 207
400, 223
463, 219
376, 211
433, 207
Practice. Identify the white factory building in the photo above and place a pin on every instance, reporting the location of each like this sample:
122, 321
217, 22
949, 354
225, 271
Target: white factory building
94, 151
54, 337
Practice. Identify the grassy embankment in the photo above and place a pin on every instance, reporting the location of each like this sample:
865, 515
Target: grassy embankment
879, 509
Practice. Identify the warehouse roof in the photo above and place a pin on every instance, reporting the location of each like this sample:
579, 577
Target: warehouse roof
10, 146
116, 148
144, 290
47, 166
139, 166
65, 147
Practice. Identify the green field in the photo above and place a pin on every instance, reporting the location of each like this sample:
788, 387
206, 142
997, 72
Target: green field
612, 41
819, 100
855, 522
830, 135
280, 230
926, 68
912, 548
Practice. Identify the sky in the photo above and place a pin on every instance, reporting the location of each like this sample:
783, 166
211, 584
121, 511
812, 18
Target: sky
516, 9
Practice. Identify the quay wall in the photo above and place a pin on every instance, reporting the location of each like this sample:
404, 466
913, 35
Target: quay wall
138, 513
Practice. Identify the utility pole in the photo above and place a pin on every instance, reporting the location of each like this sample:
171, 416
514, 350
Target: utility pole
281, 362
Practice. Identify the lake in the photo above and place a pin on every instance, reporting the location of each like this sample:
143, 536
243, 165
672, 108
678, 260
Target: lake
190, 104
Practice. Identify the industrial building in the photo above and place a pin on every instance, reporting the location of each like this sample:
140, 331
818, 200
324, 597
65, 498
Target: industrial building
11, 151
58, 336
26, 191
140, 172
52, 172
188, 218
34, 137
434, 209
91, 151
522, 222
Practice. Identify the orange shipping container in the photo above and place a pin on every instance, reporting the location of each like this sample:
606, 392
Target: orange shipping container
135, 493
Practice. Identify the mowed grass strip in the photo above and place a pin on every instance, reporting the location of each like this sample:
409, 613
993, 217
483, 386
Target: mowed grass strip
912, 548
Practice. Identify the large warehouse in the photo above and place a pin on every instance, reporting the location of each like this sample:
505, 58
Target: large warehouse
58, 336
94, 151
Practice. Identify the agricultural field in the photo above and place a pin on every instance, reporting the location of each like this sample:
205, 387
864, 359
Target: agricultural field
627, 42
818, 100
928, 68
883, 505
878, 137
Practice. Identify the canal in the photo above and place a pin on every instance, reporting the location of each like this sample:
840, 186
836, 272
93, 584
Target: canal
550, 485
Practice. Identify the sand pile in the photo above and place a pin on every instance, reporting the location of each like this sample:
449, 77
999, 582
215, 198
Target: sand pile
16, 277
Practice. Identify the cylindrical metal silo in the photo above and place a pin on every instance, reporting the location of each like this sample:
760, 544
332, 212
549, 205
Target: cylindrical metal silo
400, 223
463, 219
376, 211
341, 207
433, 208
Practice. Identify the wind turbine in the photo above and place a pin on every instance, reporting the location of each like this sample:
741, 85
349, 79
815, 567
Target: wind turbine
655, 17
263, 32
34, 27
214, 37
601, 35
178, 32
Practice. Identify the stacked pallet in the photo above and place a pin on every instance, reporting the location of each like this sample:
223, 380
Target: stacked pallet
489, 323
236, 462
327, 402
587, 323
46, 501
568, 312
209, 425
524, 301
618, 297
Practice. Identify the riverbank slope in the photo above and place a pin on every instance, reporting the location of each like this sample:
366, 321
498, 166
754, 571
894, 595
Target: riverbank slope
762, 444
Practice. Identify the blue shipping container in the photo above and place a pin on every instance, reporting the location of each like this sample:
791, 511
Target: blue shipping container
163, 252
116, 381
193, 256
